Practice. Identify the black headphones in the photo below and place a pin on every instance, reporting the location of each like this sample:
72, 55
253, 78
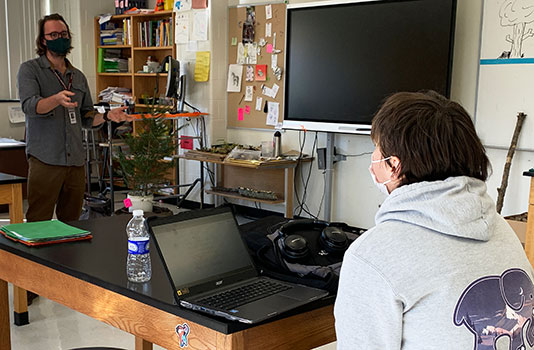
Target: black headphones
333, 238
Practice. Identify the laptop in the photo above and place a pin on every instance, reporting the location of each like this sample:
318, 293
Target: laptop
211, 271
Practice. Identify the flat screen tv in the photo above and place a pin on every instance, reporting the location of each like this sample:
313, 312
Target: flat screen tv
344, 57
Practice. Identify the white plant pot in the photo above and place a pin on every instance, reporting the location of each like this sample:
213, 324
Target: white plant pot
141, 202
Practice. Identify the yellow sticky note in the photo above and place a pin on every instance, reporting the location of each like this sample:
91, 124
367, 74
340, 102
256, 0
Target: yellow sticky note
202, 66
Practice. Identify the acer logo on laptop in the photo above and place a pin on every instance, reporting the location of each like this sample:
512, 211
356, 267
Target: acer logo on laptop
218, 283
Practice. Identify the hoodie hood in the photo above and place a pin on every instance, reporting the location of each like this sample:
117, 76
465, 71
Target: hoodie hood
458, 206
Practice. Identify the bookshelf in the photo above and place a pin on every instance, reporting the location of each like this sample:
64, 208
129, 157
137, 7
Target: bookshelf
135, 30
139, 34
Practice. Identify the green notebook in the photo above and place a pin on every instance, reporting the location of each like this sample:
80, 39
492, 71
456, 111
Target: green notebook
43, 232
100, 65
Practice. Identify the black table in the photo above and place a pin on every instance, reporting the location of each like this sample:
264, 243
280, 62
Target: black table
90, 277
13, 161
11, 194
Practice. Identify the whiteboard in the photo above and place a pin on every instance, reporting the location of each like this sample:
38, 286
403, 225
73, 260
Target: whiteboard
506, 72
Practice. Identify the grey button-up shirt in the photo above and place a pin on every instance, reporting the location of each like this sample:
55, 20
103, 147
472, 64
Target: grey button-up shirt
51, 137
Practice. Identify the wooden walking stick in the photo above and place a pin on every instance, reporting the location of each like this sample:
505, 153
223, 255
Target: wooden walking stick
504, 182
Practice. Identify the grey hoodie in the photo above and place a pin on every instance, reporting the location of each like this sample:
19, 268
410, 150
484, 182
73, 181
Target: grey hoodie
440, 270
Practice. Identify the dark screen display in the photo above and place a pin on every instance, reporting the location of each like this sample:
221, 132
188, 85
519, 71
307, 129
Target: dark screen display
202, 249
343, 60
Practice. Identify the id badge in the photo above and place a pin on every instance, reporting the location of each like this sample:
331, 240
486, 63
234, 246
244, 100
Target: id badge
72, 115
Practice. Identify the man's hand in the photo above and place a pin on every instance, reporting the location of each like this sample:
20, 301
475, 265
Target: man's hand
63, 98
117, 115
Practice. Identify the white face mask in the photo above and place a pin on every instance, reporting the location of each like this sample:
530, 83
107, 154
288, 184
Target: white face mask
381, 185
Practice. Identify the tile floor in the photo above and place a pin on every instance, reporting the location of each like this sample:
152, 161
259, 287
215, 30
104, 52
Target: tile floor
56, 327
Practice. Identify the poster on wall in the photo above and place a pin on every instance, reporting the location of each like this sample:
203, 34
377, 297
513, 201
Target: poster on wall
200, 26
505, 85
235, 73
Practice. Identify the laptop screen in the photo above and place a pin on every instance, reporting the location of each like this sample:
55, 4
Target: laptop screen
202, 249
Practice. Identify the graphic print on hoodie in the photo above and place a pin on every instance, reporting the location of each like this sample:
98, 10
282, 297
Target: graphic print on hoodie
496, 306
434, 242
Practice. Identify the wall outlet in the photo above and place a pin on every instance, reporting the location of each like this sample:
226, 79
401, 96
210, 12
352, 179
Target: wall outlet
321, 158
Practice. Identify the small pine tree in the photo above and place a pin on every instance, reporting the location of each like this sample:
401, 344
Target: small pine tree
144, 168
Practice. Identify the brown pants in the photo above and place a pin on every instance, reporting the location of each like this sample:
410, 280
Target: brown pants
53, 185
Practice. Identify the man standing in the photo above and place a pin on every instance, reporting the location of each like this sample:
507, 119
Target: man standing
56, 100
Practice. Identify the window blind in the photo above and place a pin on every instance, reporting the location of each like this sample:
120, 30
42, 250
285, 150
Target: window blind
17, 40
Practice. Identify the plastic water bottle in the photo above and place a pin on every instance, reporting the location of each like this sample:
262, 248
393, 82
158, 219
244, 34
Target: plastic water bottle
138, 266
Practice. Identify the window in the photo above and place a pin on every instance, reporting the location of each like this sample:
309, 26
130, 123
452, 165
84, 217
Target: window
18, 30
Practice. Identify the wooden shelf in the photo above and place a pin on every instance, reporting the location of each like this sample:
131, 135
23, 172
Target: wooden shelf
114, 46
164, 13
237, 196
140, 48
150, 74
277, 178
168, 115
150, 14
141, 105
139, 83
114, 74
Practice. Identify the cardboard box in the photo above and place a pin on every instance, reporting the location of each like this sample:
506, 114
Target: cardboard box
520, 229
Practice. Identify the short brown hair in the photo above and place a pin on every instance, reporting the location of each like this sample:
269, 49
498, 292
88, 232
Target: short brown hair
433, 137
40, 47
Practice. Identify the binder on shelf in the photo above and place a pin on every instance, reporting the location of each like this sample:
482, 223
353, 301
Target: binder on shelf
100, 67
44, 232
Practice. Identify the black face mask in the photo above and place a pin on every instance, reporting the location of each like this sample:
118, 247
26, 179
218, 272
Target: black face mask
60, 45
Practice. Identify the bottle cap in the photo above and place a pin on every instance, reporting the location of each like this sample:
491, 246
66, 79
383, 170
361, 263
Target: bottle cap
138, 212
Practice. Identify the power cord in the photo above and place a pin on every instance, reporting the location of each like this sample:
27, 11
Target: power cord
357, 155
302, 206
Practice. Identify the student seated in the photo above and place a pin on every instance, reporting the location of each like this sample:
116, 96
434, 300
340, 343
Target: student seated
441, 269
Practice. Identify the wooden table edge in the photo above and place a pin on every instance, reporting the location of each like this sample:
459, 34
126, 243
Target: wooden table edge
145, 322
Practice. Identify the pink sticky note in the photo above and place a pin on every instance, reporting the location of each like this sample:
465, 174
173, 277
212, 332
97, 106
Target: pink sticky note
199, 4
247, 109
269, 48
240, 114
127, 202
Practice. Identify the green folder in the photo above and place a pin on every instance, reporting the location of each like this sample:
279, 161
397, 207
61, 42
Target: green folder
100, 66
42, 232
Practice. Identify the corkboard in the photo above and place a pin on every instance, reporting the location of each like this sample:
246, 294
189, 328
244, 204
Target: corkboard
236, 100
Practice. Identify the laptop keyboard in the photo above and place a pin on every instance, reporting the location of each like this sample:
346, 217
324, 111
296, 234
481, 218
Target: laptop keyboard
244, 294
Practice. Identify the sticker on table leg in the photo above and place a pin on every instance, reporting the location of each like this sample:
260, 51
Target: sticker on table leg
182, 330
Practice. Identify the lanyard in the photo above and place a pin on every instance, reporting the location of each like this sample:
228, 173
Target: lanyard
71, 112
62, 82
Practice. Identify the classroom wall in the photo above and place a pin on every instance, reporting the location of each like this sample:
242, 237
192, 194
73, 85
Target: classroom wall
355, 198
7, 129
79, 15
207, 96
